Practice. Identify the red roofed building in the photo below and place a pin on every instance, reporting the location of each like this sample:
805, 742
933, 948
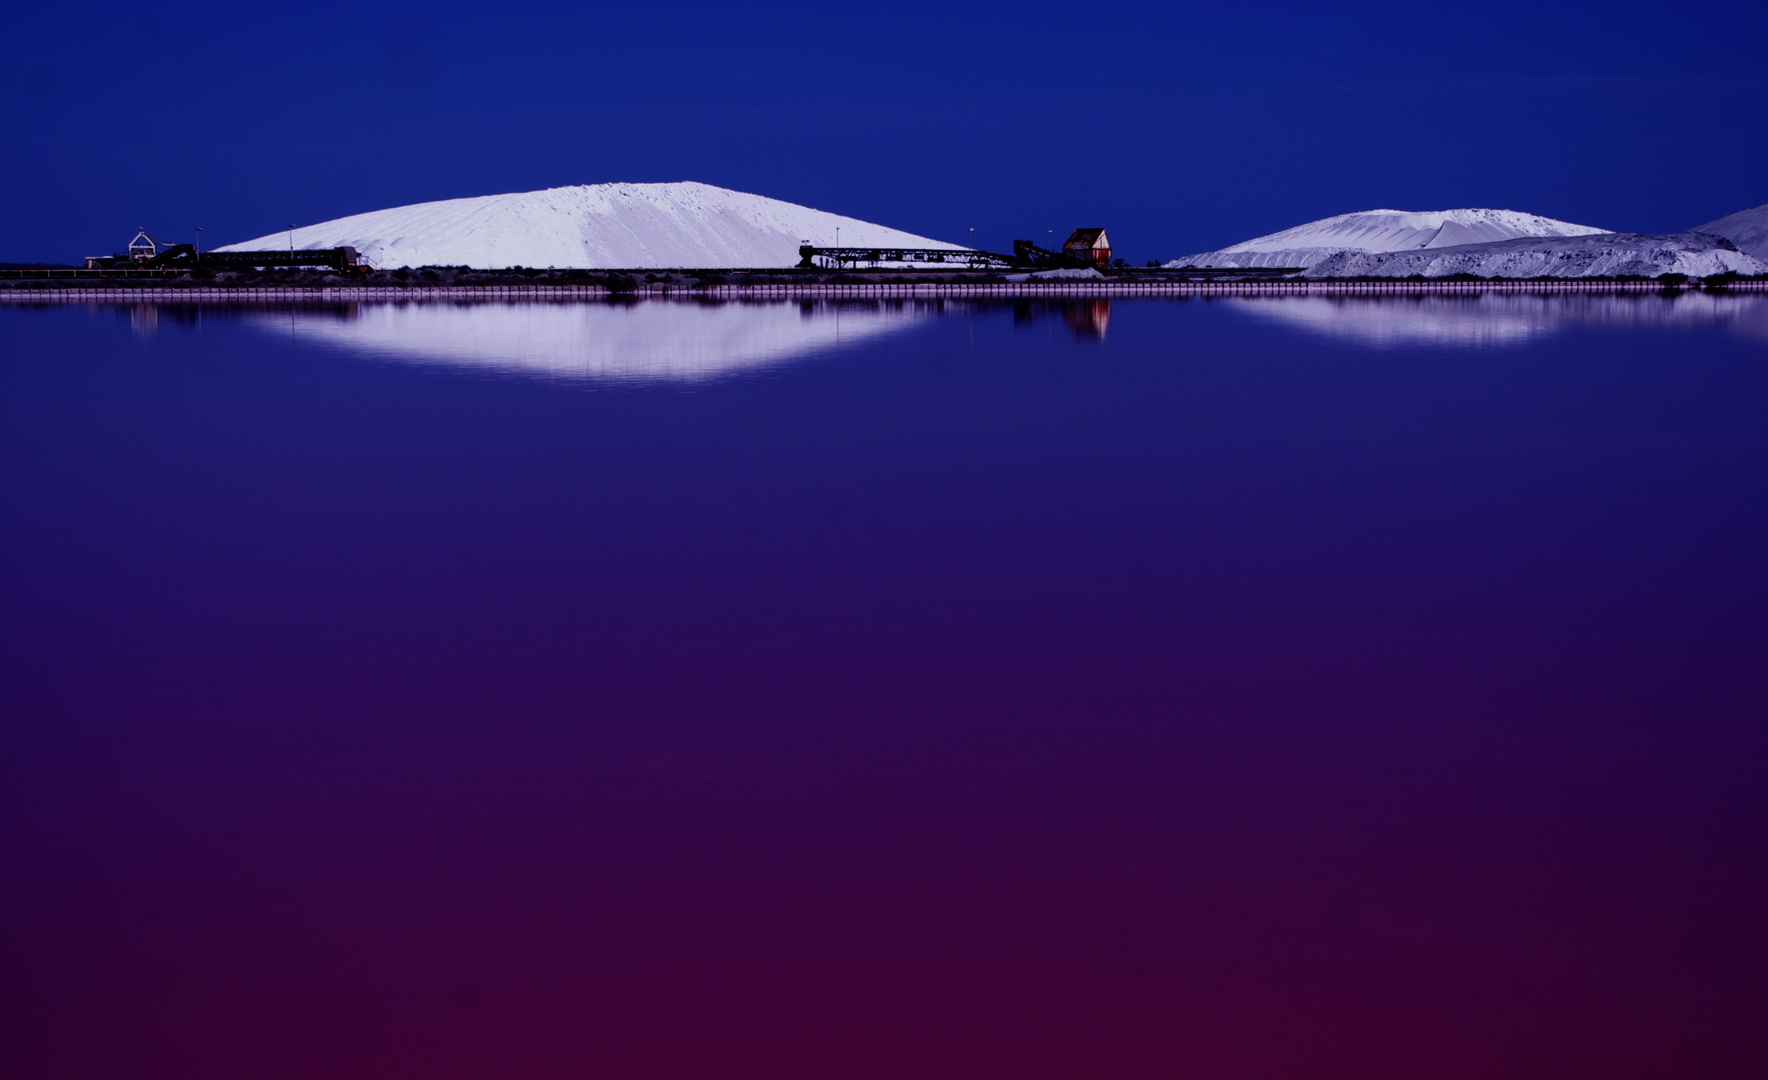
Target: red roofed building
1089, 244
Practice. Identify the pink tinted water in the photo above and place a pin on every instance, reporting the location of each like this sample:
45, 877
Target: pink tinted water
1208, 700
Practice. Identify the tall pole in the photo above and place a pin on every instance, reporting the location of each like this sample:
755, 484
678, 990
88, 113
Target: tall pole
291, 238
199, 239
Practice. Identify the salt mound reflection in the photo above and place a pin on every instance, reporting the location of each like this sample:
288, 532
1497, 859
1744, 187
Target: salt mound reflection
645, 340
1498, 319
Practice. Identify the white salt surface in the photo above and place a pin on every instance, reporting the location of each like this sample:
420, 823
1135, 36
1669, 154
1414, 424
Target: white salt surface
1066, 273
597, 226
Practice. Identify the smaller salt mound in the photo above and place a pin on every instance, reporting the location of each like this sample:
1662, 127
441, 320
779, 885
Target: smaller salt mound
1604, 255
1067, 273
1748, 229
1384, 230
597, 226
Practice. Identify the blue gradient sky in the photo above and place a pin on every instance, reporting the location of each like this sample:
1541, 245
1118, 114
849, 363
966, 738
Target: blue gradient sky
1181, 127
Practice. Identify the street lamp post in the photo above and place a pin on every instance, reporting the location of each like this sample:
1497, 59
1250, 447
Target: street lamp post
199, 239
291, 238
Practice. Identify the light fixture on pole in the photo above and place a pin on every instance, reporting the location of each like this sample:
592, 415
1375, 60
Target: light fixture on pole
199, 240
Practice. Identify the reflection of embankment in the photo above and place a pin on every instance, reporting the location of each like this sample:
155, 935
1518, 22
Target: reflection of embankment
652, 339
1495, 318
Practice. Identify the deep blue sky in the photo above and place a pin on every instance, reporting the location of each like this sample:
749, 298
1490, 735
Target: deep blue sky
1181, 127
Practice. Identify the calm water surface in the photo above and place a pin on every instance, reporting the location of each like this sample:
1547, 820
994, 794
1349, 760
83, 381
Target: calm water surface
1155, 689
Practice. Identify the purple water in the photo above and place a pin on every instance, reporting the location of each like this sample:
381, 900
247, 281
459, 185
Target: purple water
1160, 689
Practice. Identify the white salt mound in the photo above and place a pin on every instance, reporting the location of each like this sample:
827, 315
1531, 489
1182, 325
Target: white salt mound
1066, 273
1603, 255
1607, 255
1499, 244
684, 225
1384, 230
1748, 229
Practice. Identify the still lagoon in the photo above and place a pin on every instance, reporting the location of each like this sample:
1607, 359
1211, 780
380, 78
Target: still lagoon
1299, 688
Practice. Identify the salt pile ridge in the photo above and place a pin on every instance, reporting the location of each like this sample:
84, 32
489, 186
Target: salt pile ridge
684, 225
1748, 229
1384, 230
1605, 255
1499, 244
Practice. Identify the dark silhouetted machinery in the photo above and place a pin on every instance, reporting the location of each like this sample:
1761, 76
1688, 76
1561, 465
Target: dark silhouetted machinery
147, 252
1026, 256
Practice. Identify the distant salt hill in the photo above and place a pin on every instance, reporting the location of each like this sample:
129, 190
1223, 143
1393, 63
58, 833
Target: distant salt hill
1498, 244
596, 226
1748, 229
1384, 230
1697, 255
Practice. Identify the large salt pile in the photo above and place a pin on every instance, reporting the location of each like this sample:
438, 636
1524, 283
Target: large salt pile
595, 226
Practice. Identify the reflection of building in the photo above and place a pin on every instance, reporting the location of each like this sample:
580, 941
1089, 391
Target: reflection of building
1087, 318
144, 319
1091, 245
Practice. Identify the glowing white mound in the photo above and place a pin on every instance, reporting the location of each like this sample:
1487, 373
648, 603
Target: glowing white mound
649, 340
595, 226
1604, 255
1384, 230
1748, 229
